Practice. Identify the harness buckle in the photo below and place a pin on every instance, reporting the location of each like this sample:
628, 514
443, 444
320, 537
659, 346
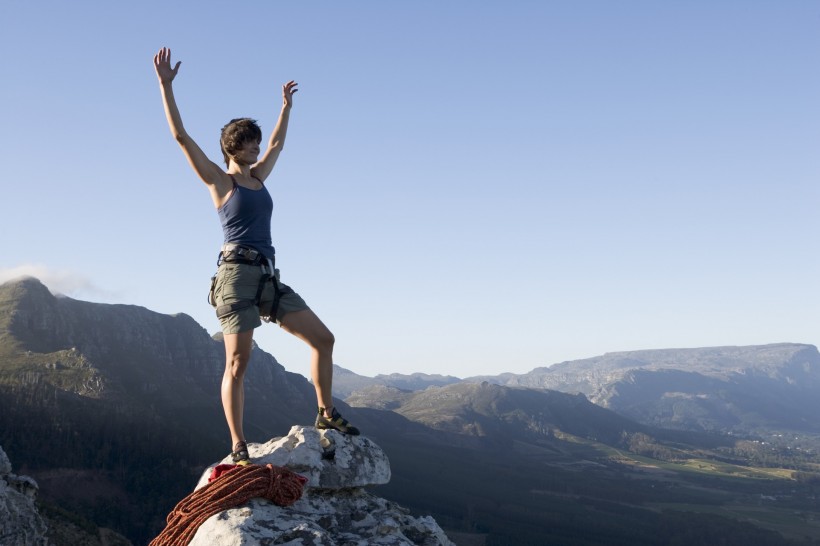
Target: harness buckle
232, 252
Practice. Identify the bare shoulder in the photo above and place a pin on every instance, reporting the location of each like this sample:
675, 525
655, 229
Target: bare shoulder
258, 174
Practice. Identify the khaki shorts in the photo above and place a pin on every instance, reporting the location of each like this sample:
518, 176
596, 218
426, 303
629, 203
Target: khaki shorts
240, 282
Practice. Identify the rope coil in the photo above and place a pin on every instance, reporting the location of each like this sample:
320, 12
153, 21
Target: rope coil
232, 488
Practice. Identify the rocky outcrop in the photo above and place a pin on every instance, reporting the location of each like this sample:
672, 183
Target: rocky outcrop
20, 523
334, 509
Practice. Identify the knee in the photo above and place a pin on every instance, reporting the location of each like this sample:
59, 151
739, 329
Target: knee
235, 365
324, 341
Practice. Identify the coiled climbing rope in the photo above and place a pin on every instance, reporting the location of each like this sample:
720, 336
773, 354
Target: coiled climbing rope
233, 488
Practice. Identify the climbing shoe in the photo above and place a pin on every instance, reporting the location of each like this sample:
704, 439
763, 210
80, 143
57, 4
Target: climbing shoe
335, 422
240, 455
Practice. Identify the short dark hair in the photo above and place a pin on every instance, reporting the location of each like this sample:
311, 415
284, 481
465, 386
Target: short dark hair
236, 133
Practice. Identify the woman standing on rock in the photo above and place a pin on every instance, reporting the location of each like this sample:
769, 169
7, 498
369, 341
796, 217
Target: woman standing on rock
246, 288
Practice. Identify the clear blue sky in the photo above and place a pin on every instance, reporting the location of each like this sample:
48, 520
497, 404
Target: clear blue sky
467, 188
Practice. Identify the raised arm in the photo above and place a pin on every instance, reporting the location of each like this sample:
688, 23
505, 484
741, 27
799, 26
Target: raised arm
208, 171
264, 166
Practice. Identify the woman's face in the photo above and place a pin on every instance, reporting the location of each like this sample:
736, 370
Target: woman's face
248, 153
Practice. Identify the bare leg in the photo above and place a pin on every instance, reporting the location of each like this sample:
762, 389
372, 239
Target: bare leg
306, 326
237, 354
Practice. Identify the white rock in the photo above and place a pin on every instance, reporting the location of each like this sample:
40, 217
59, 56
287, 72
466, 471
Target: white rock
334, 508
322, 517
357, 462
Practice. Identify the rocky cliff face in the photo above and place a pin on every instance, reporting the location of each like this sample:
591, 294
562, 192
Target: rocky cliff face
20, 523
335, 507
131, 356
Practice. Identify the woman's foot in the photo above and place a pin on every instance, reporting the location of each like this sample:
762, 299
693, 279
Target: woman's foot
240, 453
335, 421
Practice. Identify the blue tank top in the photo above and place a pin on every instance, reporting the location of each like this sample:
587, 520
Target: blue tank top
245, 218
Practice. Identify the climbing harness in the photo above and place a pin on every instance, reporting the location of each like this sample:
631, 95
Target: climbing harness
232, 253
233, 488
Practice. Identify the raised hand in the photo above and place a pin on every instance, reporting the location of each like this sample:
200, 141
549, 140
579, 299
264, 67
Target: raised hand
162, 64
287, 92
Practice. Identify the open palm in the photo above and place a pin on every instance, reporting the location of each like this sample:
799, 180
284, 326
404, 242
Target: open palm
162, 64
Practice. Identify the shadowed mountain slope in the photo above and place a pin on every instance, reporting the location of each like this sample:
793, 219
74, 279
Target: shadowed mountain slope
131, 356
500, 413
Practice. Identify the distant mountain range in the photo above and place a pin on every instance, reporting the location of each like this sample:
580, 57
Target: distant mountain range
346, 382
115, 409
737, 389
501, 413
726, 389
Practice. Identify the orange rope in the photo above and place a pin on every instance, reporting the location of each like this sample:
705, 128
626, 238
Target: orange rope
279, 485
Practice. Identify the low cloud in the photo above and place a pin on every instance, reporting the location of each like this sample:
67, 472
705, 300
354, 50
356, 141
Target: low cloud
63, 282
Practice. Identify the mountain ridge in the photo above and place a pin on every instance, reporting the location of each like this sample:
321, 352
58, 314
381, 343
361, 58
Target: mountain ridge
346, 382
487, 460
710, 388
736, 389
127, 353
